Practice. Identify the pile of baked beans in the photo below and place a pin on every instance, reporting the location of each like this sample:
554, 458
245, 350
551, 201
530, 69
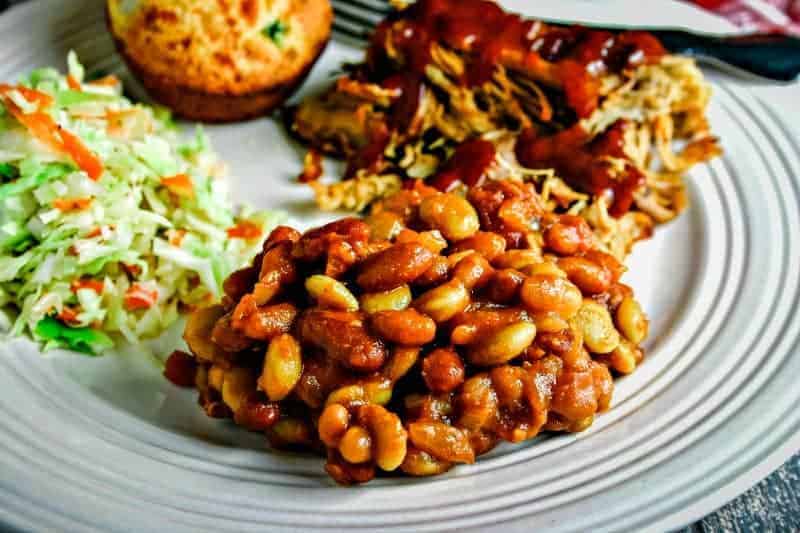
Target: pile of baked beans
419, 337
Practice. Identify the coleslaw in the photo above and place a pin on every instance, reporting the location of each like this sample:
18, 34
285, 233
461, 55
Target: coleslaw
110, 222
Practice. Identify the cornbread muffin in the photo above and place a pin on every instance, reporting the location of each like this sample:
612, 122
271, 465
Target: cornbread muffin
220, 60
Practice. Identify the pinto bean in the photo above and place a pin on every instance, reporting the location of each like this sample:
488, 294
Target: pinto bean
488, 244
262, 323
395, 266
408, 327
443, 370
344, 338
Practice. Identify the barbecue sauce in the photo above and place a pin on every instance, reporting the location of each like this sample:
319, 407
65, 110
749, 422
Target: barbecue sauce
583, 163
467, 165
575, 56
572, 58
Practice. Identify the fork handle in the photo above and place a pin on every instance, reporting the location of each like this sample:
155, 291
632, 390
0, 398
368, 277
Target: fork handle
774, 56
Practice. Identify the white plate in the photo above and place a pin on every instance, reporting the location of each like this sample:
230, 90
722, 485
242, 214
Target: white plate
107, 444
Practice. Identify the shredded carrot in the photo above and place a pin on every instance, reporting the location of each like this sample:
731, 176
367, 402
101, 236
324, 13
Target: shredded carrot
133, 270
83, 157
73, 84
105, 81
139, 297
179, 185
42, 100
43, 127
244, 230
95, 284
72, 204
176, 236
68, 315
94, 232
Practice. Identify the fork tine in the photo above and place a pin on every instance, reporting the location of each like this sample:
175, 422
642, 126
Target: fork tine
350, 31
357, 15
355, 19
381, 7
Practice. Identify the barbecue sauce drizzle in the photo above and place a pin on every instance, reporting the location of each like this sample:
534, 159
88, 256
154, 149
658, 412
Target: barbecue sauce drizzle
571, 57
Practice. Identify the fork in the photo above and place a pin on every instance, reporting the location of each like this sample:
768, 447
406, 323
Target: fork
775, 57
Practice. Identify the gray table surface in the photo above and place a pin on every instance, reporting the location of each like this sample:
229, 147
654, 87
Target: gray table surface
771, 506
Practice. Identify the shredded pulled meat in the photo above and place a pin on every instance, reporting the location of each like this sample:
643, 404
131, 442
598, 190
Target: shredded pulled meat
457, 92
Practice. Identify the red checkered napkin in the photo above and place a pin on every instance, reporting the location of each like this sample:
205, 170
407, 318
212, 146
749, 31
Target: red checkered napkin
761, 16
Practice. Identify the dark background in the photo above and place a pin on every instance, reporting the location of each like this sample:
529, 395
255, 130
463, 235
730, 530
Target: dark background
771, 506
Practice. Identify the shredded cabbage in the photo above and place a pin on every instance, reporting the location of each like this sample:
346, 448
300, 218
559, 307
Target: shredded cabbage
85, 260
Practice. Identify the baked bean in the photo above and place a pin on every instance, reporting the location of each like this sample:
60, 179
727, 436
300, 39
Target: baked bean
389, 437
290, 432
432, 240
227, 338
477, 402
216, 375
474, 271
356, 445
436, 274
574, 396
608, 262
240, 282
631, 320
523, 407
378, 391
314, 244
283, 366
453, 259
504, 286
442, 441
330, 293
476, 324
508, 384
345, 473
197, 333
545, 268
603, 385
566, 344
262, 323
429, 406
400, 362
320, 376
332, 424
613, 297
489, 245
517, 259
384, 225
451, 214
395, 266
549, 322
595, 324
408, 327
237, 384
257, 413
277, 270
280, 234
393, 300
419, 463
181, 369
590, 277
482, 441
444, 302
443, 370
343, 337
568, 236
547, 293
503, 345
624, 358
